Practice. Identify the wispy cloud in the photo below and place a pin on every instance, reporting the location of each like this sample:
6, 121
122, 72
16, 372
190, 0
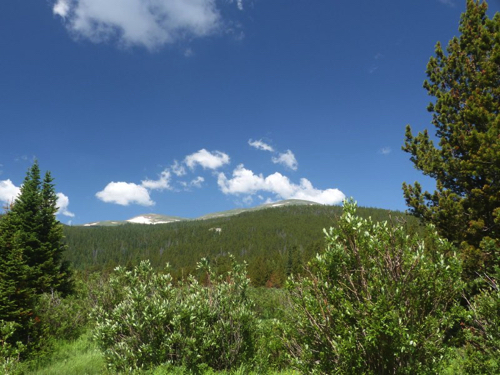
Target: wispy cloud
246, 182
146, 23
207, 159
260, 145
385, 151
287, 159
450, 3
178, 169
197, 182
162, 183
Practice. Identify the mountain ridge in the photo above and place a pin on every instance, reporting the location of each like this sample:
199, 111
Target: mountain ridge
154, 219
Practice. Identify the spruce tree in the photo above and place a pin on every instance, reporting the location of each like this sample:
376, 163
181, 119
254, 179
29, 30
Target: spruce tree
465, 81
31, 250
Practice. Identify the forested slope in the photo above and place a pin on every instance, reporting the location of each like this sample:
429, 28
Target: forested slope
274, 241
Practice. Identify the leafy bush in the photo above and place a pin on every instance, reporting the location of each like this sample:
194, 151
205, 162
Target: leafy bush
10, 354
377, 301
147, 321
62, 318
482, 348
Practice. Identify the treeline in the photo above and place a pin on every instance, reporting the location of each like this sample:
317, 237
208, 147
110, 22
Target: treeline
275, 242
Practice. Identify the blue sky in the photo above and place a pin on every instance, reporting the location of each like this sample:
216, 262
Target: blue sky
186, 107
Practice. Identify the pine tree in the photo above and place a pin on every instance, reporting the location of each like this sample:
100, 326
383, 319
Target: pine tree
465, 208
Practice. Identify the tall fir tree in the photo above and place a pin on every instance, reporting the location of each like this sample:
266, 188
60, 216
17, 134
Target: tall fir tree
31, 251
465, 81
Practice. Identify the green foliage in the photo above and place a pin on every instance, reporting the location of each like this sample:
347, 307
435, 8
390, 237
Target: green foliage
62, 318
465, 208
377, 301
75, 357
148, 322
31, 251
482, 332
10, 354
273, 242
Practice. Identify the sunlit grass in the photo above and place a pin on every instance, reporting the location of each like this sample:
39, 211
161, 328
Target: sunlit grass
71, 358
82, 357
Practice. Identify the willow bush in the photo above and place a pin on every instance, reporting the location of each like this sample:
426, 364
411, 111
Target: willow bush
377, 301
146, 321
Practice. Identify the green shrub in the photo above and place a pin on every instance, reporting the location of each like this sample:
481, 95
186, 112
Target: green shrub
192, 325
378, 301
481, 352
10, 354
62, 318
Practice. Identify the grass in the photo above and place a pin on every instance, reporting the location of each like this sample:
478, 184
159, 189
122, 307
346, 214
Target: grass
82, 357
77, 357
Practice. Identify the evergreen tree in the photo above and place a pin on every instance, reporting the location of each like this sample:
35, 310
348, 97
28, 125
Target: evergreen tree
465, 81
54, 273
17, 298
31, 251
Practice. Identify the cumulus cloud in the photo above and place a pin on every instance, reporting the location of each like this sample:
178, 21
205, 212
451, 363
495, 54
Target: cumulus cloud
62, 205
8, 191
244, 181
125, 193
161, 184
197, 182
206, 159
260, 145
147, 23
287, 159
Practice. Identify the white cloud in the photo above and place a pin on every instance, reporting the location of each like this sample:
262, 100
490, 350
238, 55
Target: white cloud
125, 193
61, 8
208, 160
8, 191
385, 151
161, 184
147, 23
450, 3
62, 205
260, 145
244, 181
197, 182
178, 169
287, 159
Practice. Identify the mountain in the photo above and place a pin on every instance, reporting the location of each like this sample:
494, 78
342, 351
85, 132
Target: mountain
275, 240
162, 219
237, 211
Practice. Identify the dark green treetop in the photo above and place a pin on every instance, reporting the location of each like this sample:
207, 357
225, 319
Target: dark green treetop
465, 207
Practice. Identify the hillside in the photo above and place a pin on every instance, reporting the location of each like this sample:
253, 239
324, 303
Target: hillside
274, 240
163, 219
